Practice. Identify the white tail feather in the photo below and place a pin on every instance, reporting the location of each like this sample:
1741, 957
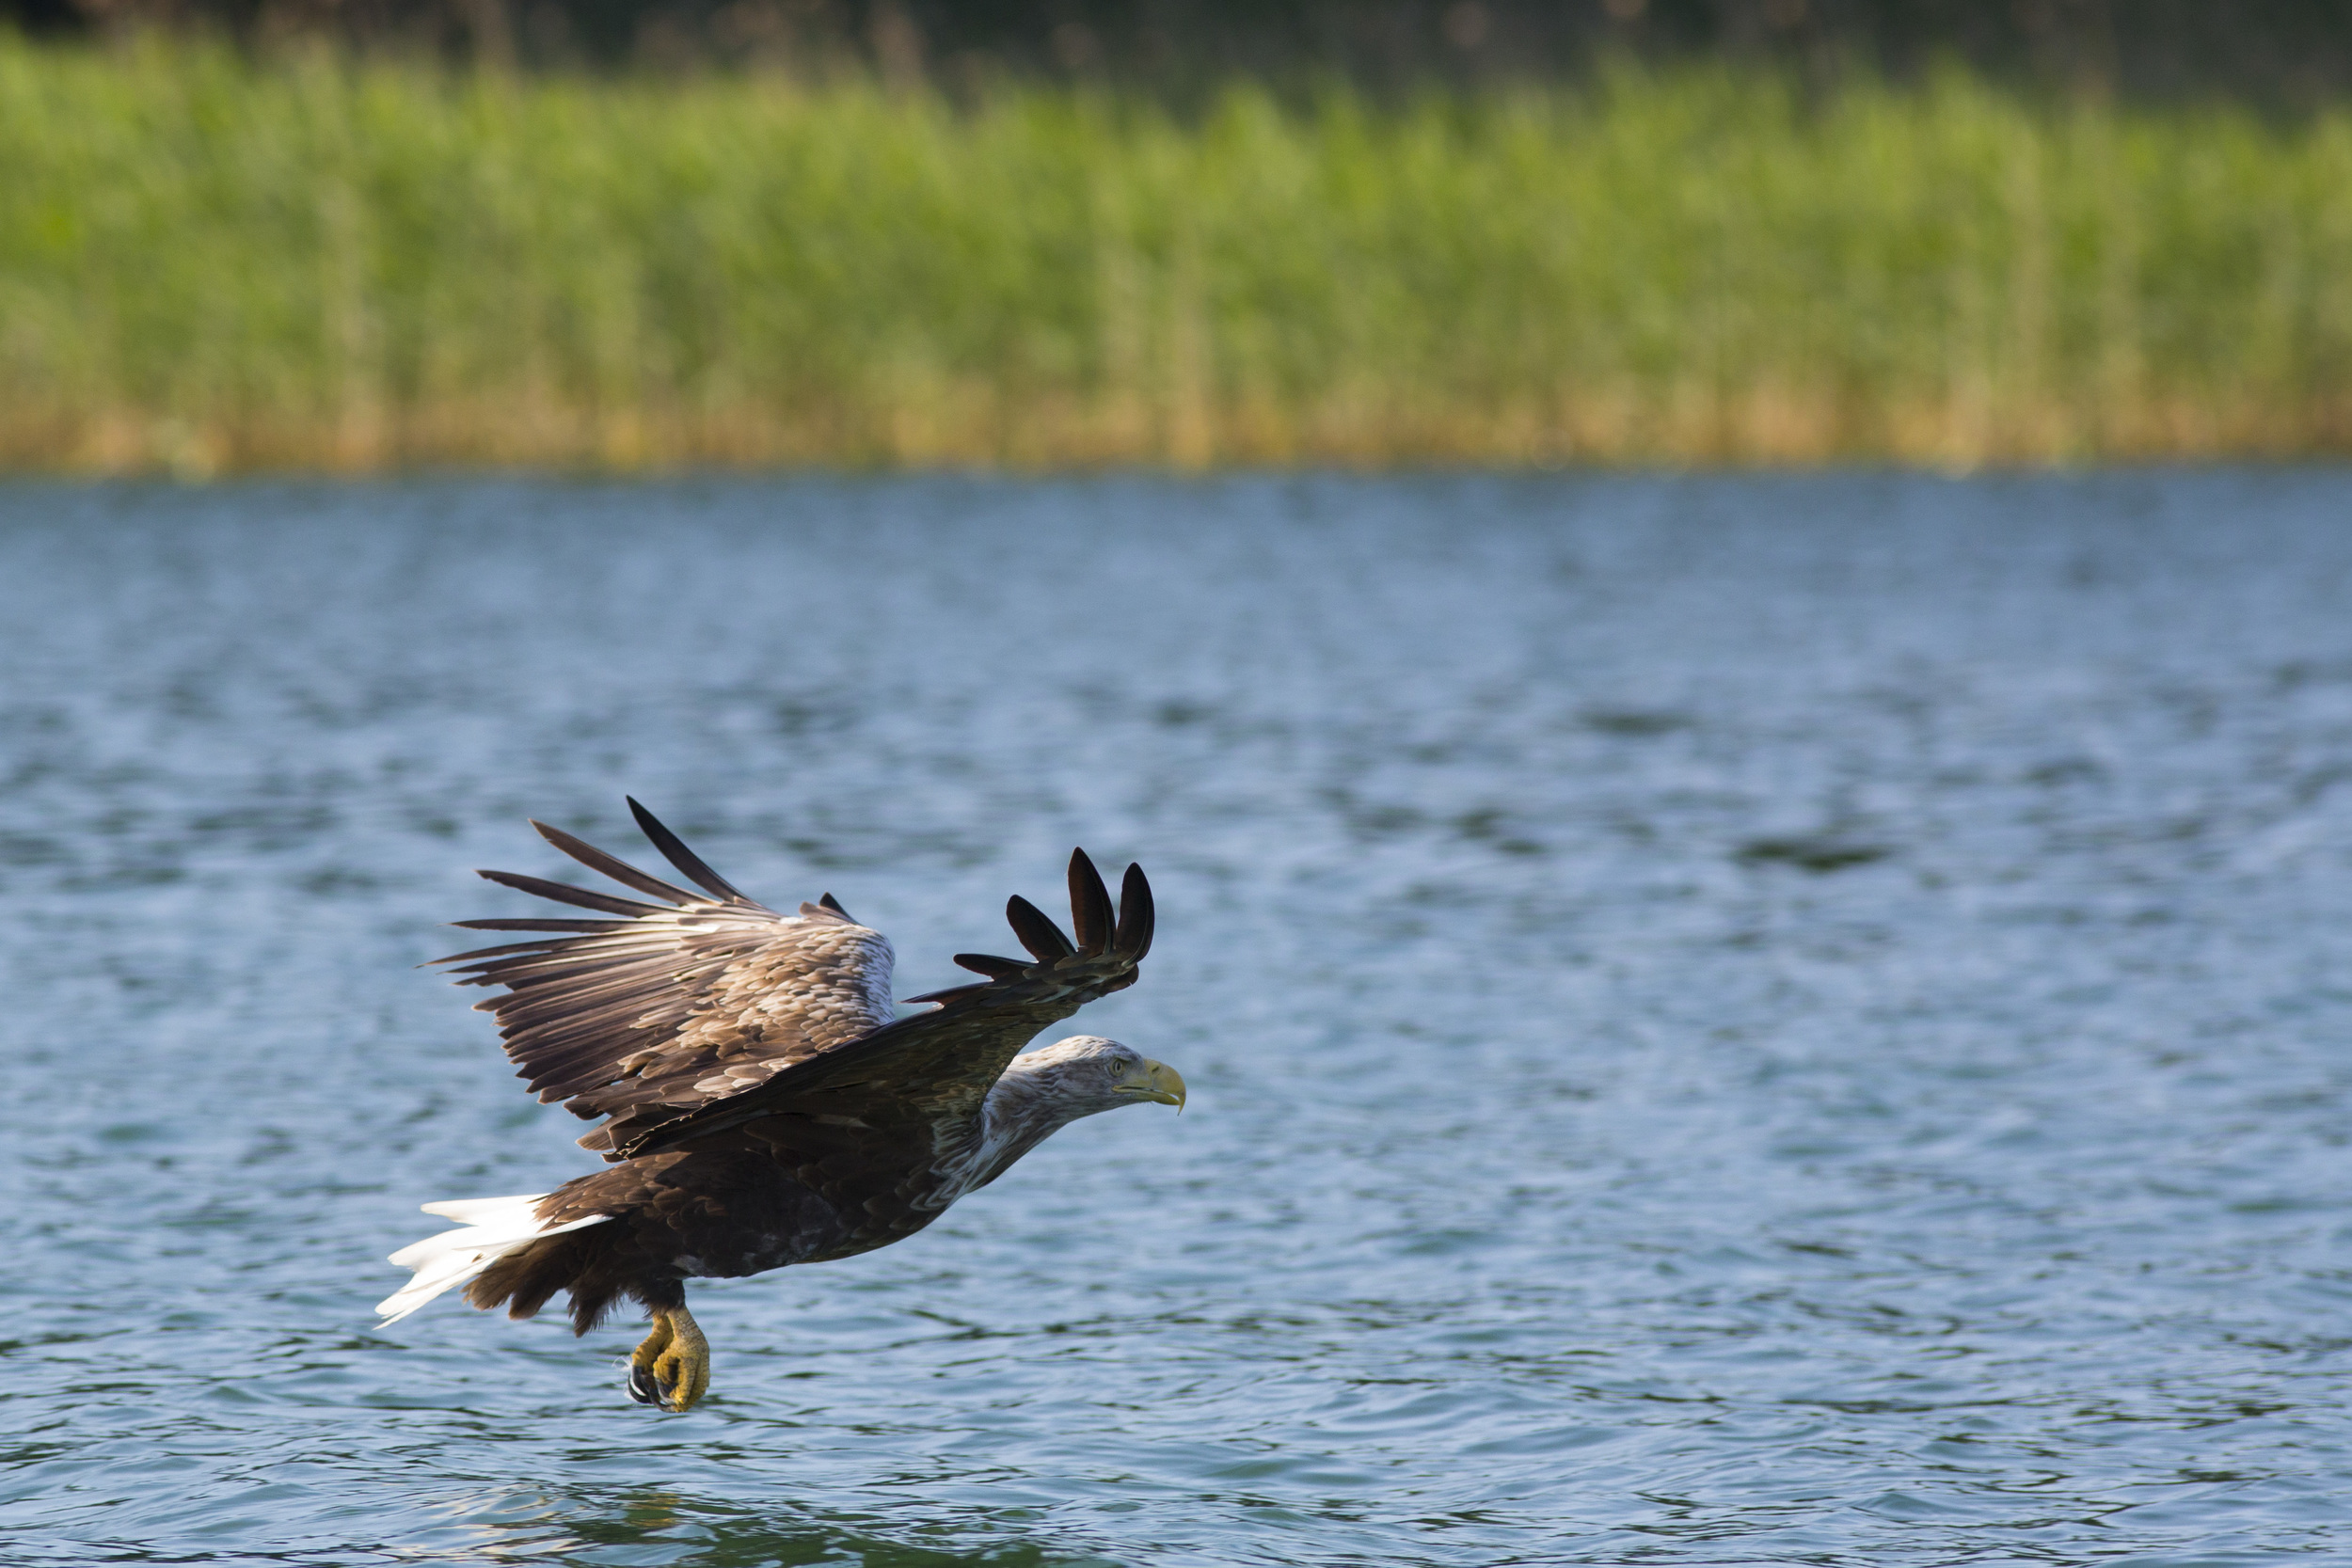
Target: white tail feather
490, 1228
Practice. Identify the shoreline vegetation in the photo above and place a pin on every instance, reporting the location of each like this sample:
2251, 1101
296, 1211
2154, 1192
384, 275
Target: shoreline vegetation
210, 263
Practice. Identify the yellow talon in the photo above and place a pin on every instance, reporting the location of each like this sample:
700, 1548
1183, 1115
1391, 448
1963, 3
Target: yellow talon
683, 1369
672, 1368
641, 1363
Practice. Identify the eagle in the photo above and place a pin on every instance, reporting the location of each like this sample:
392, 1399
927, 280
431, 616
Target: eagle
762, 1103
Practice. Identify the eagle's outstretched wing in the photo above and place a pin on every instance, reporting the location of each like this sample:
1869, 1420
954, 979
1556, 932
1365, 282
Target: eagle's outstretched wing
670, 1006
936, 1069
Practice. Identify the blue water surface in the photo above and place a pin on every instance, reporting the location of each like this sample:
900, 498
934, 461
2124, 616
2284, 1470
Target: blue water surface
1736, 1019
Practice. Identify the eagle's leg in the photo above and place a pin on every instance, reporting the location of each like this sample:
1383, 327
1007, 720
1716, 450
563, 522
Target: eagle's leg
672, 1368
641, 1387
683, 1371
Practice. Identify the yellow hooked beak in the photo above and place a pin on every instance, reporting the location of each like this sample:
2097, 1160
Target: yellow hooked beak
1158, 1083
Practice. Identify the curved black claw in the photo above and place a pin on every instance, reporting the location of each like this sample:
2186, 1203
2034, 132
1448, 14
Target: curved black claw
643, 1389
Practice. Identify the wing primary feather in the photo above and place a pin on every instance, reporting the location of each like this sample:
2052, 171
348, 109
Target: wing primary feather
991, 966
689, 864
586, 985
950, 994
542, 925
613, 866
606, 949
1090, 914
487, 953
829, 901
532, 960
1036, 933
521, 972
564, 893
1134, 916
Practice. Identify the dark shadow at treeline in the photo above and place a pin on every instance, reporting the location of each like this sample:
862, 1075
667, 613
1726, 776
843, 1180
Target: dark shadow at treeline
2270, 53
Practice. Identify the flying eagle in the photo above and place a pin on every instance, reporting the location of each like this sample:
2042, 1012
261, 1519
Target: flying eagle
763, 1103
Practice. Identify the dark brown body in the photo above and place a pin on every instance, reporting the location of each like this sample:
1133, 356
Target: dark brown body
713, 1214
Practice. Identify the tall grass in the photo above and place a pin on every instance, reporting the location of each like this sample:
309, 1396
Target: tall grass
208, 263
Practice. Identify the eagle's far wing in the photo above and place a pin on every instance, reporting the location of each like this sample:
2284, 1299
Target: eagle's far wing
936, 1069
672, 1005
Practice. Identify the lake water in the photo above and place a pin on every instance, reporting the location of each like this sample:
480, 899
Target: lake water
1792, 1019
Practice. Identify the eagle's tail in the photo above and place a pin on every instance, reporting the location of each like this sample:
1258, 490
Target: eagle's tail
489, 1229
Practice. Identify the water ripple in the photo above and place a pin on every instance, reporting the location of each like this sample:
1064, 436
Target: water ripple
1731, 1021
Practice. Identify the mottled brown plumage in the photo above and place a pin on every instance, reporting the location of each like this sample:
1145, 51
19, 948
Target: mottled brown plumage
761, 1103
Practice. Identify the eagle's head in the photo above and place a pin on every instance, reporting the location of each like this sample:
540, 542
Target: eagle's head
1086, 1074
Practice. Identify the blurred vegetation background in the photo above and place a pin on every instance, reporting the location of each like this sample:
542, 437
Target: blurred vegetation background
359, 233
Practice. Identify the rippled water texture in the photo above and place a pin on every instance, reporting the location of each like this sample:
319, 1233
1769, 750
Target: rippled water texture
1731, 1021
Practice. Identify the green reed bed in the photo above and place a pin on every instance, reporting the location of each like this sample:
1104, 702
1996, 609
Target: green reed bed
207, 262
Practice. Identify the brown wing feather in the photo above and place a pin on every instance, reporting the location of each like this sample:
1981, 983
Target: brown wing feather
644, 1019
936, 1069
